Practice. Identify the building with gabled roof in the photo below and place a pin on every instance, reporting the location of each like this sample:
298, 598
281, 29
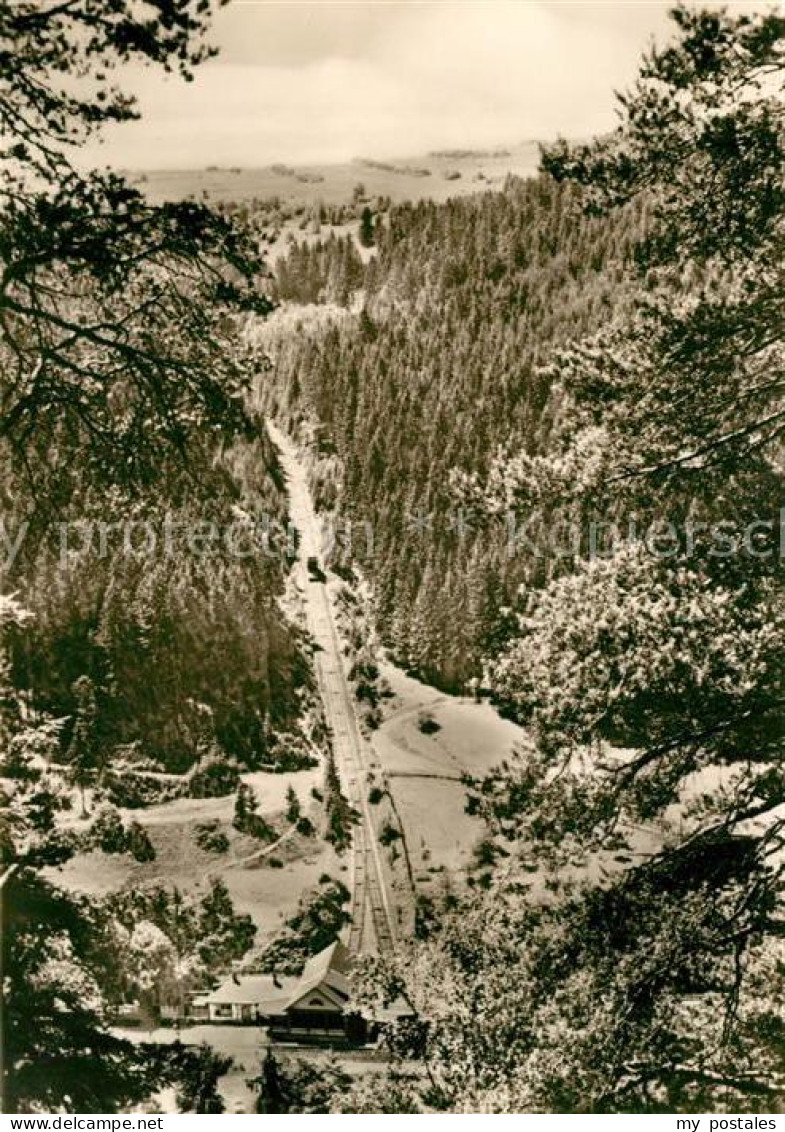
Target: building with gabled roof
307, 1007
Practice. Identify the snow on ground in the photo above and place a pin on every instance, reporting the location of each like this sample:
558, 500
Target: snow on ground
243, 1043
270, 790
247, 1045
473, 736
450, 174
269, 894
423, 771
423, 775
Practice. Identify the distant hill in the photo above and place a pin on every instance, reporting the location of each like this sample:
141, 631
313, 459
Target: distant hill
434, 176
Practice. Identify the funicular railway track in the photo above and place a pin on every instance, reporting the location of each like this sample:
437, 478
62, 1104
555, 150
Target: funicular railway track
370, 905
372, 921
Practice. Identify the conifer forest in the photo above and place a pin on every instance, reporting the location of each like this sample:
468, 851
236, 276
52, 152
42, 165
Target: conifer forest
392, 610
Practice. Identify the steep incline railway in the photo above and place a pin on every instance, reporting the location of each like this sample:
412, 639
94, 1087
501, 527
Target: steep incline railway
373, 922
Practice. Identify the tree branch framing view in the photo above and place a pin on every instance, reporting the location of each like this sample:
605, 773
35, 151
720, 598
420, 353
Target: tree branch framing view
392, 617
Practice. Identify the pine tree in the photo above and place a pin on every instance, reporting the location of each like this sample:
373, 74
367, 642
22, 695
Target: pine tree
217, 909
272, 1096
293, 807
82, 754
68, 1059
139, 844
245, 807
198, 1072
367, 228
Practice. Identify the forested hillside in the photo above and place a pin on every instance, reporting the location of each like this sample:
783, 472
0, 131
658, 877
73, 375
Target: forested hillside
139, 623
461, 305
182, 640
135, 476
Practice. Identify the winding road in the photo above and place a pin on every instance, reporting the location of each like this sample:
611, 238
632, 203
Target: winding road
373, 927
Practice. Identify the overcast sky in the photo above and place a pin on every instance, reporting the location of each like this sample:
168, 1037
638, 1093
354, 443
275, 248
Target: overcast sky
324, 80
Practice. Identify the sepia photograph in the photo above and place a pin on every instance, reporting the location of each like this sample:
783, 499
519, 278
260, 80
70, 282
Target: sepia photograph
392, 561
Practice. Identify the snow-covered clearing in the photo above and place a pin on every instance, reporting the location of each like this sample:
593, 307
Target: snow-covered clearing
268, 892
423, 771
